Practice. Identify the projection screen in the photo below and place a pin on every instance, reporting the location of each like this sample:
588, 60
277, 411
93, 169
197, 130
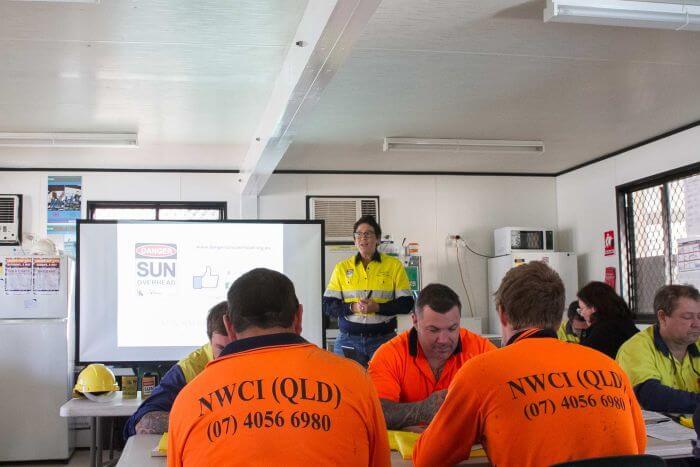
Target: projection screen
144, 288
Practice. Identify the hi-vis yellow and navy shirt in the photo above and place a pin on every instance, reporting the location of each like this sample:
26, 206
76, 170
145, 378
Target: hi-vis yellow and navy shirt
163, 396
384, 280
661, 382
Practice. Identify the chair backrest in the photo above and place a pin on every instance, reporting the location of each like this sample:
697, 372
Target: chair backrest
644, 460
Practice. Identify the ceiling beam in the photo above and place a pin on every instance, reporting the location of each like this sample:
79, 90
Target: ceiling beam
325, 36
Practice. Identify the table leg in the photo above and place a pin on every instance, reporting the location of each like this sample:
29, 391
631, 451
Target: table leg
111, 438
93, 441
99, 442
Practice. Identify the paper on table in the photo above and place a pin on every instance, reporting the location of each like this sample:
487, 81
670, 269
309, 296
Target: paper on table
653, 417
670, 431
162, 449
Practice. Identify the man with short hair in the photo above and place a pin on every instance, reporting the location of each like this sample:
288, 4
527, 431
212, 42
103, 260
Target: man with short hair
413, 370
538, 400
663, 361
272, 398
152, 415
573, 328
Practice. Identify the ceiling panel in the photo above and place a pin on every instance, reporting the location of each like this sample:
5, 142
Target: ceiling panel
193, 78
493, 70
178, 72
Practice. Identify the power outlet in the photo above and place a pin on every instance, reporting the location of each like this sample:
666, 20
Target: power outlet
452, 239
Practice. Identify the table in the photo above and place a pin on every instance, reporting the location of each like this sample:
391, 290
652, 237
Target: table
115, 407
137, 452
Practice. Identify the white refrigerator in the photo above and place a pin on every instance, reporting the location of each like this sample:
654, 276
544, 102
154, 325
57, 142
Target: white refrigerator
36, 357
562, 262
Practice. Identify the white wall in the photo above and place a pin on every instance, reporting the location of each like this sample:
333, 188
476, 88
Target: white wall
586, 202
426, 209
120, 186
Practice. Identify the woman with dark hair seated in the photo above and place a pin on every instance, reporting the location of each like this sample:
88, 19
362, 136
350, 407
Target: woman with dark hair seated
611, 320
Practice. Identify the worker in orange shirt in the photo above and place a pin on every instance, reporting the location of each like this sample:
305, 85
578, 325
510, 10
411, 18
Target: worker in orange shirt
272, 398
413, 370
538, 400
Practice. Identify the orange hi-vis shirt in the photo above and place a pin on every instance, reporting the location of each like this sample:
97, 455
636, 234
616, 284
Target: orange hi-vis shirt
401, 373
278, 400
537, 401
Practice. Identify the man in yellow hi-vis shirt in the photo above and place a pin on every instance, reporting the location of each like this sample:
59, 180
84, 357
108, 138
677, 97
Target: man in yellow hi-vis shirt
663, 361
365, 293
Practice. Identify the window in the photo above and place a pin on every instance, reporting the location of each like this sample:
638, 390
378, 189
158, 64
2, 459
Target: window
156, 211
652, 219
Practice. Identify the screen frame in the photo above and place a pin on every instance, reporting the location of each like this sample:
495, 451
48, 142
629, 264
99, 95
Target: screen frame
130, 363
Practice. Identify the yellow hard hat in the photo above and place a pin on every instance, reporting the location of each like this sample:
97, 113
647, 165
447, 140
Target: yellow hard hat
95, 380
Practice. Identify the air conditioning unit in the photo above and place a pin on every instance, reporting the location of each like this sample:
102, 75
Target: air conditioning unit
10, 219
340, 213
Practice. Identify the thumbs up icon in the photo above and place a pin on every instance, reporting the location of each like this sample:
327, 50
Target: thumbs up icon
205, 281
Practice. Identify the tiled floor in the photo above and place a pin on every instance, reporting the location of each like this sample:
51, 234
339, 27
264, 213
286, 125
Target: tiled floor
80, 458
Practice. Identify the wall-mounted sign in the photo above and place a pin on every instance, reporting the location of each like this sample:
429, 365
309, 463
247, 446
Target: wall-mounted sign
609, 242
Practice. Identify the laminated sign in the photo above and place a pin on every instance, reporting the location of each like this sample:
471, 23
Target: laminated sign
609, 242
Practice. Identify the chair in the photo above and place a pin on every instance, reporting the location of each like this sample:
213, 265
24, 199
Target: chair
643, 460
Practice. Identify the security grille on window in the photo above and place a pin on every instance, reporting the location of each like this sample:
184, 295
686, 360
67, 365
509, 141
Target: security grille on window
117, 210
652, 219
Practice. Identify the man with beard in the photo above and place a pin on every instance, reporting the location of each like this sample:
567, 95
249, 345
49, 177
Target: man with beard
413, 370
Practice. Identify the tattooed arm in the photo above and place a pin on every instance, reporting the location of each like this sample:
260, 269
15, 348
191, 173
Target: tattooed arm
153, 423
399, 415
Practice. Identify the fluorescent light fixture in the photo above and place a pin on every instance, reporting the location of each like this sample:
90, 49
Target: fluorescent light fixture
661, 15
458, 145
69, 140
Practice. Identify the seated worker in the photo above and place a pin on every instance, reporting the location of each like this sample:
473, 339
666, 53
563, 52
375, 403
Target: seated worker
663, 361
366, 292
413, 370
610, 320
573, 328
152, 415
538, 400
272, 398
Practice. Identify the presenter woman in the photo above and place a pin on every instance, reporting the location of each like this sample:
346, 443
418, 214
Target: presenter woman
366, 292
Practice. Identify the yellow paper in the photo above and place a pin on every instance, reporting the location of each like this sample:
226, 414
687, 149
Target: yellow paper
163, 443
403, 442
686, 422
393, 445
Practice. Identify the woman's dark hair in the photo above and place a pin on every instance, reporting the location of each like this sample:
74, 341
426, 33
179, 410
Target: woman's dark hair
607, 303
372, 222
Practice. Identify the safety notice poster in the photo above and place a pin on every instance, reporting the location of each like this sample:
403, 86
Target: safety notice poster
47, 275
18, 276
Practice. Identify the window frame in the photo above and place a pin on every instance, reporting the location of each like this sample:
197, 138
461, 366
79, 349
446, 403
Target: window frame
625, 228
158, 205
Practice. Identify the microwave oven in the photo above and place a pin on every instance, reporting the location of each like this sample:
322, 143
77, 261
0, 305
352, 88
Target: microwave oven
506, 240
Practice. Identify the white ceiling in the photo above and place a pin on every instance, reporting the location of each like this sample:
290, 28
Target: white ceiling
198, 75
180, 72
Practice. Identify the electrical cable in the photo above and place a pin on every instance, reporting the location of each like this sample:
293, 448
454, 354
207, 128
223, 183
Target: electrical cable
460, 239
464, 285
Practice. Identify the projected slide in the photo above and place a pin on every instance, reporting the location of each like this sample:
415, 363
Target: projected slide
144, 288
169, 275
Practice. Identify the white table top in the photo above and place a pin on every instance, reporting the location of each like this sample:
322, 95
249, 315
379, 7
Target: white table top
669, 449
137, 452
115, 407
